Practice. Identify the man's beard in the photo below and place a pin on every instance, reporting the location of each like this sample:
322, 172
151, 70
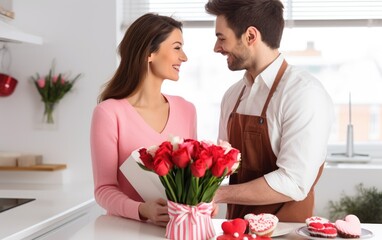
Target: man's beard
236, 63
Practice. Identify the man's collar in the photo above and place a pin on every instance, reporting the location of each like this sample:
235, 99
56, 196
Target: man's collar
268, 75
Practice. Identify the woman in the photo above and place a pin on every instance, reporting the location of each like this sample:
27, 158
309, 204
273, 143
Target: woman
133, 113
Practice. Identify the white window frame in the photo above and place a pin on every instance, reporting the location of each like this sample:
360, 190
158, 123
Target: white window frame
292, 21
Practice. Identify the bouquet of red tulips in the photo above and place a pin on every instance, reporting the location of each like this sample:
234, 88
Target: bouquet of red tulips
190, 170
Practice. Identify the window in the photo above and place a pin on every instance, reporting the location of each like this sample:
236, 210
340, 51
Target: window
346, 60
337, 41
375, 120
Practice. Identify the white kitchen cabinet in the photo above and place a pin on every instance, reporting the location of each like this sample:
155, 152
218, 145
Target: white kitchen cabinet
9, 32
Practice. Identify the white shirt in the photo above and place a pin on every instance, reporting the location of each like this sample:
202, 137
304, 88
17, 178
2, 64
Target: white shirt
300, 116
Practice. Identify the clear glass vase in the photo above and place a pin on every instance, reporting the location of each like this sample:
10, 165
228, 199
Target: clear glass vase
48, 112
47, 118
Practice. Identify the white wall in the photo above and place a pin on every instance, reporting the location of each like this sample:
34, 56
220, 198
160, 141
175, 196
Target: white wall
82, 38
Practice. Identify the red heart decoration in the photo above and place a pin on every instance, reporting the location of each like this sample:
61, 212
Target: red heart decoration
236, 225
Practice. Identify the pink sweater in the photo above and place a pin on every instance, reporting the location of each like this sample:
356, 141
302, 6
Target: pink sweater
116, 130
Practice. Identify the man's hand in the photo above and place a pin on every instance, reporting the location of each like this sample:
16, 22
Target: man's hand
215, 209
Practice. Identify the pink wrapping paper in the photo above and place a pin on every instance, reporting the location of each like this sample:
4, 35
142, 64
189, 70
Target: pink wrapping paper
190, 222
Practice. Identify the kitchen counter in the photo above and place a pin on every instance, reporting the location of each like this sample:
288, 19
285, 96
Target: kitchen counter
58, 205
55, 206
111, 227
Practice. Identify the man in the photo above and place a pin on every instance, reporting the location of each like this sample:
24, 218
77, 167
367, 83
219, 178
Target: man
278, 116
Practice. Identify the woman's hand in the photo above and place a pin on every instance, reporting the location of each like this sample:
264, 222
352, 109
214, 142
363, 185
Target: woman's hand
154, 211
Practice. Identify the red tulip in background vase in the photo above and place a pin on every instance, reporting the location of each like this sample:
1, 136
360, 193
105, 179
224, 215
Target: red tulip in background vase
190, 171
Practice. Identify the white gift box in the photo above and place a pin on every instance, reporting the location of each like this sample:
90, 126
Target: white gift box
27, 160
8, 159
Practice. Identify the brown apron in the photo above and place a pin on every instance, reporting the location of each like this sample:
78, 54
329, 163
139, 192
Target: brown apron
249, 134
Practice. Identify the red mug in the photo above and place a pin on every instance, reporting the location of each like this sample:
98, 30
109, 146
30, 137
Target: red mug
7, 84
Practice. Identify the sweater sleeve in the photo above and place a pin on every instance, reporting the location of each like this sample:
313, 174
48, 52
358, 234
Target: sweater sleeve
104, 154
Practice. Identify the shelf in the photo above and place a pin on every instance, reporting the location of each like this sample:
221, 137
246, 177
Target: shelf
42, 167
6, 13
9, 33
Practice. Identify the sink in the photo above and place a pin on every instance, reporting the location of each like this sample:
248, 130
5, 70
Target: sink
8, 203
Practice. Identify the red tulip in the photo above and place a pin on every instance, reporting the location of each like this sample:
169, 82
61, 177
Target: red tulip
41, 83
146, 158
198, 168
162, 165
181, 157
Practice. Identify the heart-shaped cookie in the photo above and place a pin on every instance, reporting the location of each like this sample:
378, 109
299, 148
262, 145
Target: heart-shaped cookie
236, 225
349, 226
263, 223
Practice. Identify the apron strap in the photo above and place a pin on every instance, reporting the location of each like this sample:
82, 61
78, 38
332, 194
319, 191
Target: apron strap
274, 86
238, 100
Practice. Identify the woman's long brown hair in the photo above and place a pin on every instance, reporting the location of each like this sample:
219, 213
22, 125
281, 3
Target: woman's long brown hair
142, 38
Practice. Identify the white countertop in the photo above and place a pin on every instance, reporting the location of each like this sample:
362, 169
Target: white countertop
374, 163
54, 205
111, 227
